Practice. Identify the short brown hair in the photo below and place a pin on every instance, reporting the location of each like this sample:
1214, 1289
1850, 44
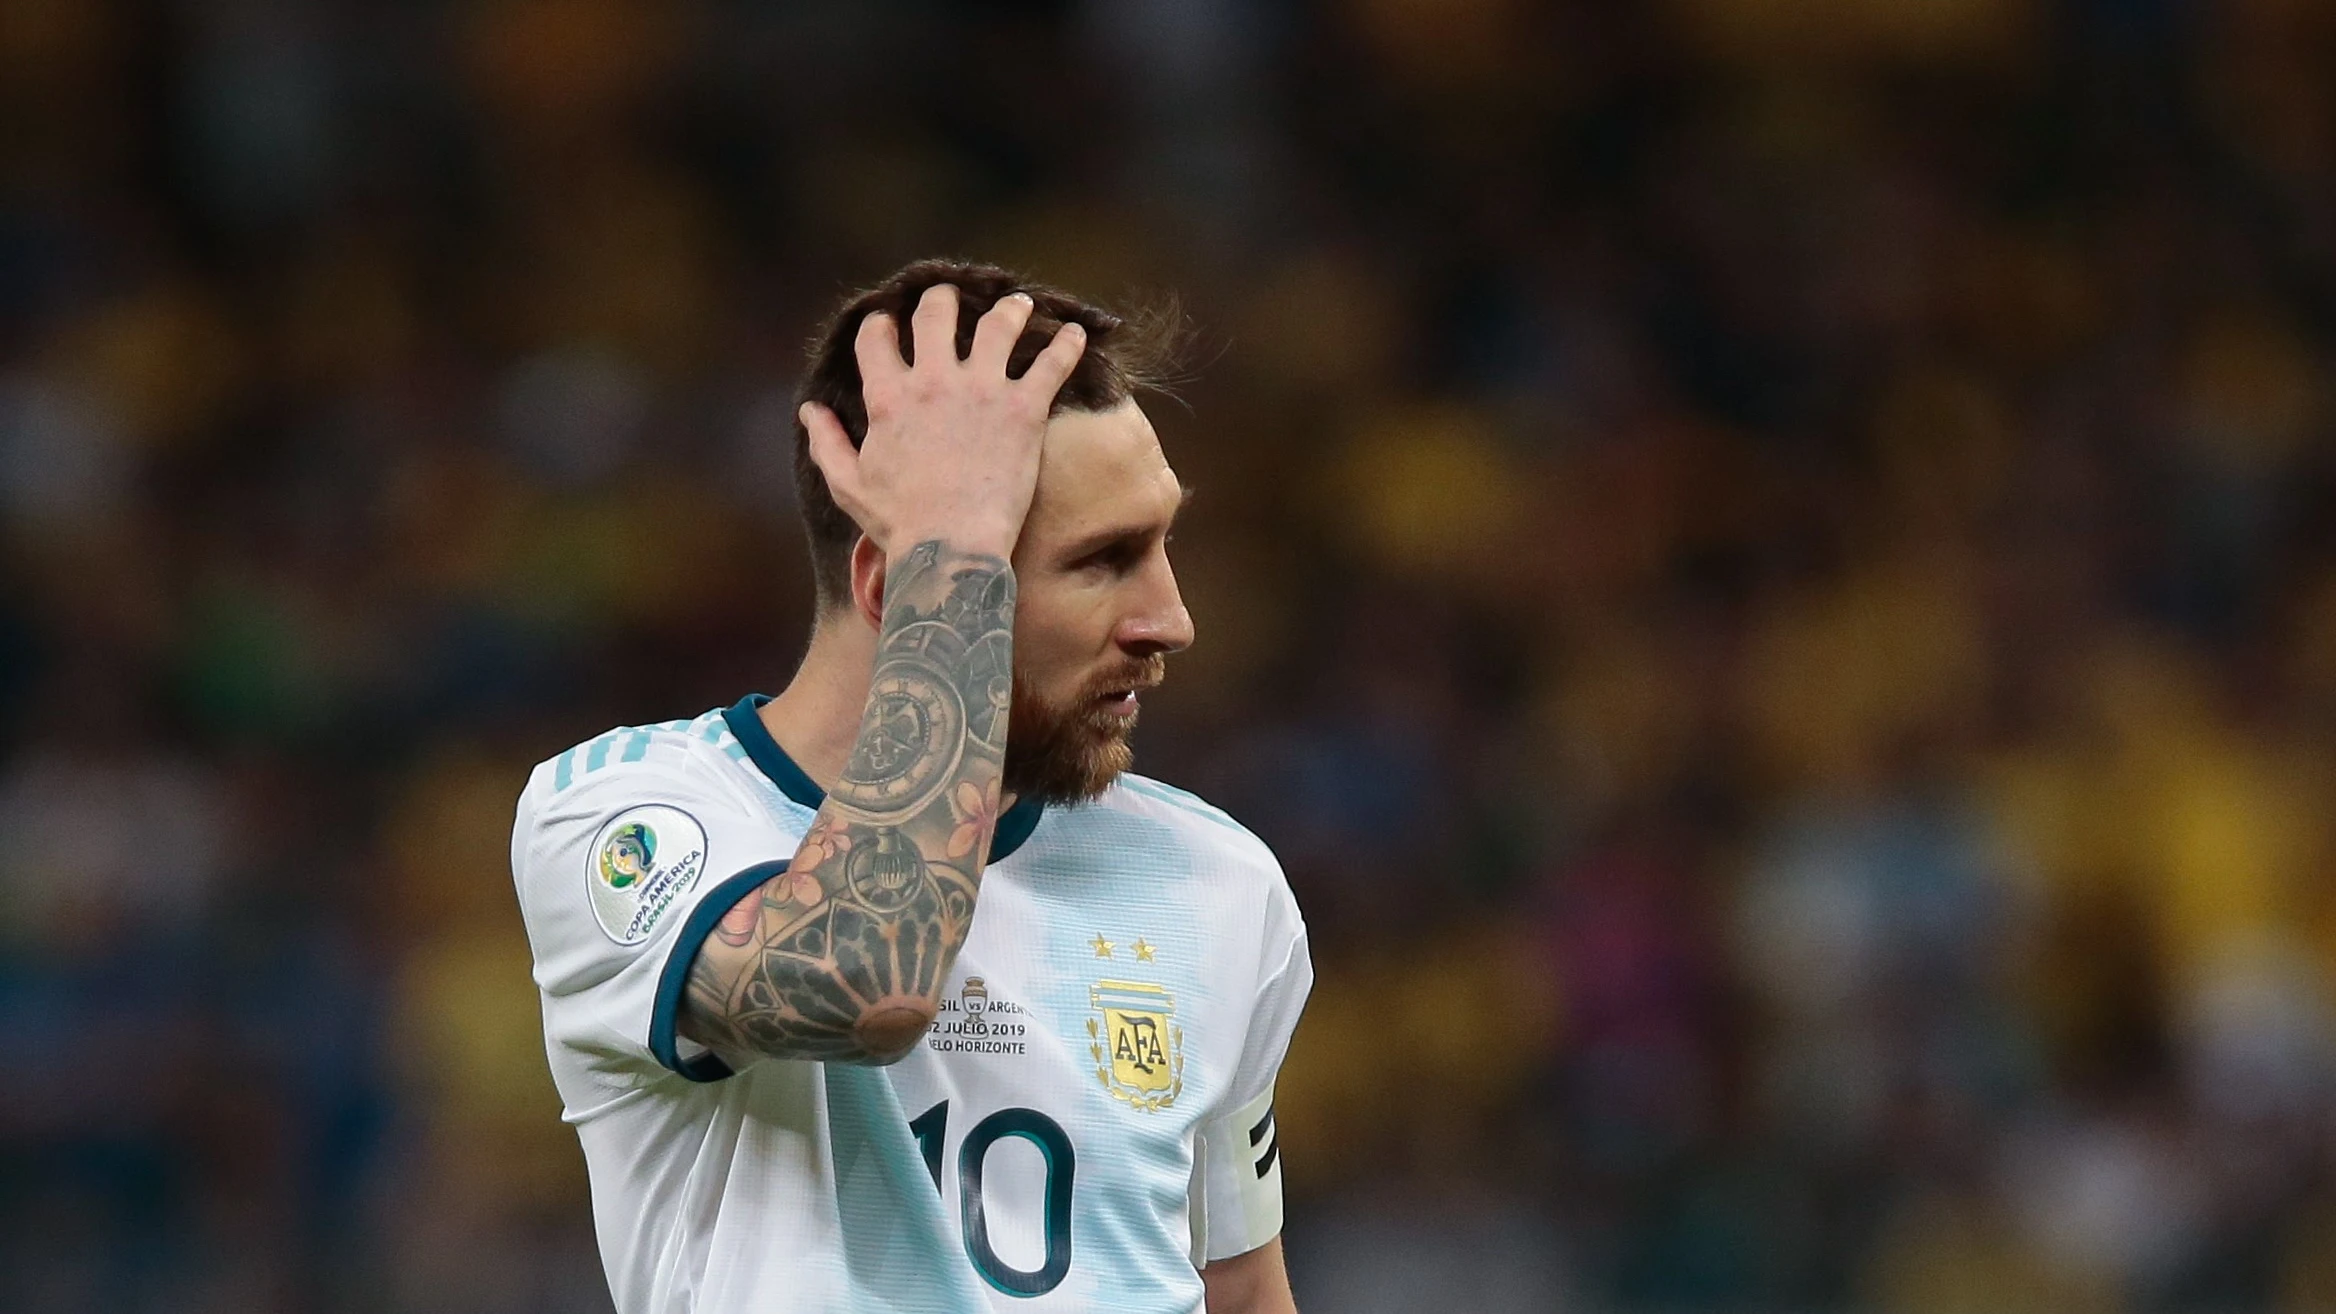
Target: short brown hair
1125, 355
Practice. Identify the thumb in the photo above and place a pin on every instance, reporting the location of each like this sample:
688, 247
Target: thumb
832, 451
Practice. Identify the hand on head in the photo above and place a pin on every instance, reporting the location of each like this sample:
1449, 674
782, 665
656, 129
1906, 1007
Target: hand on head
953, 444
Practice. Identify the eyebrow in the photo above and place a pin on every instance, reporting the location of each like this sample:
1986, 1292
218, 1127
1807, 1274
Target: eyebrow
1103, 538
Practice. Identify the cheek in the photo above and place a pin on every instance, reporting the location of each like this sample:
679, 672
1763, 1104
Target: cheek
1061, 631
1042, 660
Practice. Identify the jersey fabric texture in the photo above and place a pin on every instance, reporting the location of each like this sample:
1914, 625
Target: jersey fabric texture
1089, 1118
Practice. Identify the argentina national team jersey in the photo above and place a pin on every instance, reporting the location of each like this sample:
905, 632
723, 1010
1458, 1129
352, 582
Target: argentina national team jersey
1090, 1117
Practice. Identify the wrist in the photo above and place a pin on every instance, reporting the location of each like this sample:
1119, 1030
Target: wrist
970, 540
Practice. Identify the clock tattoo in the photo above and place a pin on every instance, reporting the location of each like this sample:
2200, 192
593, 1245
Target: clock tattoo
910, 739
989, 689
837, 958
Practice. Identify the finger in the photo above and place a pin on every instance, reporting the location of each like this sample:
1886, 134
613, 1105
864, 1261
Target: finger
1058, 360
832, 451
877, 348
999, 330
936, 324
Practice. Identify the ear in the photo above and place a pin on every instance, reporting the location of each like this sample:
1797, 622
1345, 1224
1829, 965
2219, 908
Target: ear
868, 582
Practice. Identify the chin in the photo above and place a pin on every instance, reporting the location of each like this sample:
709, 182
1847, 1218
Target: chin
1066, 773
1112, 763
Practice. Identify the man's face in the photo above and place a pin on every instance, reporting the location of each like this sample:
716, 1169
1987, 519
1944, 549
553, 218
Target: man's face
1098, 610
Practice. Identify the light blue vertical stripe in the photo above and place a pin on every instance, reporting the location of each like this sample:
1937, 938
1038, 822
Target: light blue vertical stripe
894, 1224
1175, 797
714, 731
636, 745
564, 774
598, 757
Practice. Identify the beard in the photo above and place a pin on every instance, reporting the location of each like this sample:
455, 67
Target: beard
1070, 752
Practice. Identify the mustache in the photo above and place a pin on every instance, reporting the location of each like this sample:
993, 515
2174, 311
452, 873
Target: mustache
1073, 749
1145, 674
1140, 676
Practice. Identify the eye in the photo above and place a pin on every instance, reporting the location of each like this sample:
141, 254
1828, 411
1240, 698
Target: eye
1118, 557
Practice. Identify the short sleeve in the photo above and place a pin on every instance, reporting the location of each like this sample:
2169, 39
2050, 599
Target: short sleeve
621, 875
1237, 1187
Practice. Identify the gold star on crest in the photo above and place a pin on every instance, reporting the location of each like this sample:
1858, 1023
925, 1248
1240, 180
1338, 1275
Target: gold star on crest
1102, 947
1143, 950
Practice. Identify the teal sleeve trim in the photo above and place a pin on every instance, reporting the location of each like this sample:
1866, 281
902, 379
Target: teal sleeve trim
665, 1014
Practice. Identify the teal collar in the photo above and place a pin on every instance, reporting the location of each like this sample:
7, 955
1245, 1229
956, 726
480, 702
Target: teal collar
1014, 825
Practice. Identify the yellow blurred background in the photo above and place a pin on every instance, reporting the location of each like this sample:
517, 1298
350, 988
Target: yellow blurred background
1767, 568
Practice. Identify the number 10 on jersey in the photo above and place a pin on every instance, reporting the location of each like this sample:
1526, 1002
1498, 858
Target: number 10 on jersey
931, 1129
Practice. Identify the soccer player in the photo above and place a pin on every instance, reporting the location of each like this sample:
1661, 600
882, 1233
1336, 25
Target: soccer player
897, 991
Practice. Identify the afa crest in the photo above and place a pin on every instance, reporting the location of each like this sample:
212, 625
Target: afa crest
1137, 1047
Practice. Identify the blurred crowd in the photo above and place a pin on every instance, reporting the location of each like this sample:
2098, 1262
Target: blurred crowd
1766, 565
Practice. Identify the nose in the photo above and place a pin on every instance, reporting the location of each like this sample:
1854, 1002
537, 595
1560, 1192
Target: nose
1160, 624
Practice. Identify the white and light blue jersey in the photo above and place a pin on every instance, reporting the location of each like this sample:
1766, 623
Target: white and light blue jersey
1090, 1118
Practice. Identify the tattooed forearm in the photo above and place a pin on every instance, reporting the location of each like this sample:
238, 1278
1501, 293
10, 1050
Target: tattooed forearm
841, 957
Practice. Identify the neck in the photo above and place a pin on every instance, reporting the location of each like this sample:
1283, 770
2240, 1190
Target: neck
816, 718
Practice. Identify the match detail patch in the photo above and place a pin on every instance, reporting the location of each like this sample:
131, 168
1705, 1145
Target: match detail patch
640, 864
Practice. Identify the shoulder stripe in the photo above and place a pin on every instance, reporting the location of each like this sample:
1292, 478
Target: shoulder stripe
598, 756
633, 743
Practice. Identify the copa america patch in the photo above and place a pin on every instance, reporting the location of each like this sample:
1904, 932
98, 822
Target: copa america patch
640, 864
